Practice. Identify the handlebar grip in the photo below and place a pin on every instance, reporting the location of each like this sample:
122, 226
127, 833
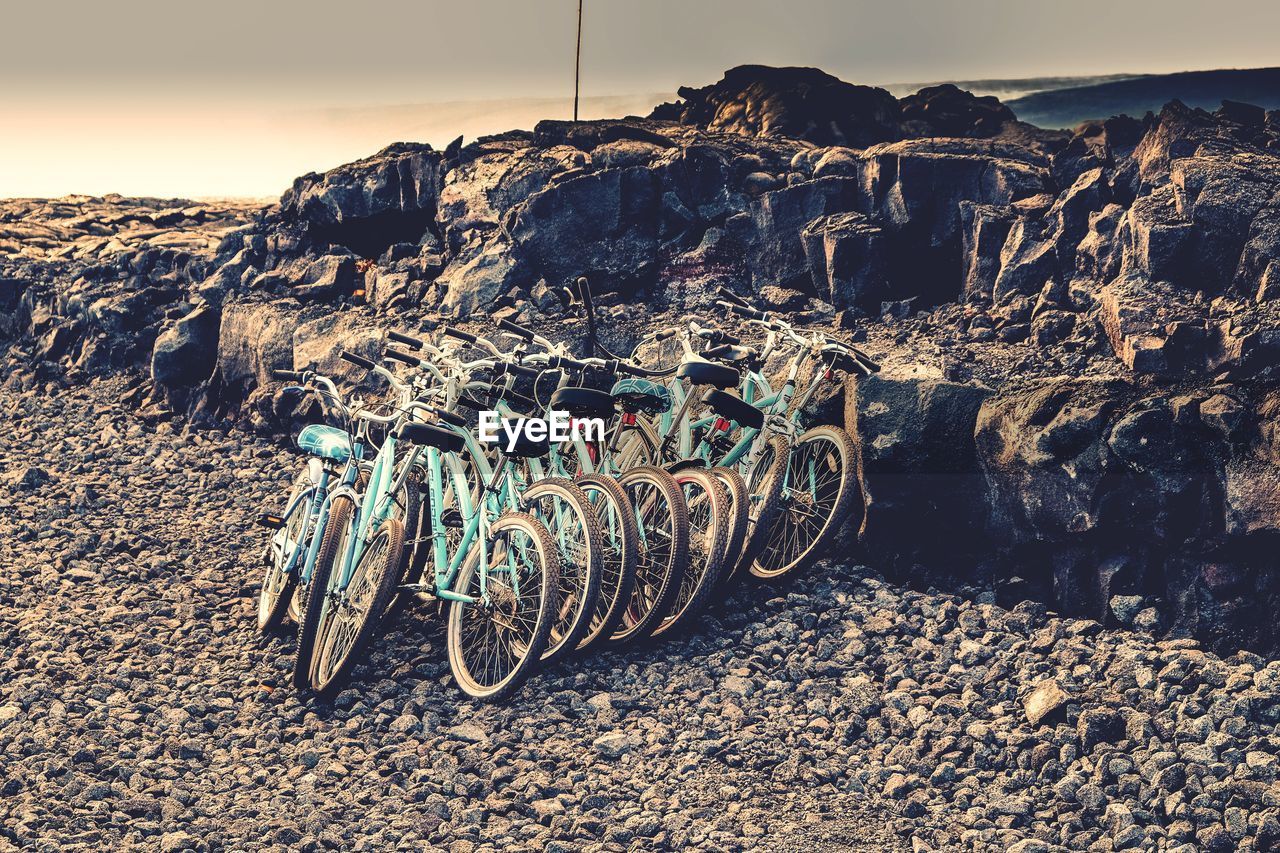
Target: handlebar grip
399, 355
716, 351
517, 369
867, 362
744, 310
728, 294
457, 333
471, 402
357, 360
565, 361
448, 417
407, 340
631, 369
287, 375
516, 329
665, 333
724, 338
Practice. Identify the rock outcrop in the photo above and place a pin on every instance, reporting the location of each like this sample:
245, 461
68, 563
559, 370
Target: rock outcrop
1082, 329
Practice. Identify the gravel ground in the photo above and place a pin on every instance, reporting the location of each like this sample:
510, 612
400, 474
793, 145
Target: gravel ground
139, 710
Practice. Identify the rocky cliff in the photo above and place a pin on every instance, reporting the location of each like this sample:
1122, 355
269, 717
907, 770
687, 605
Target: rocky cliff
1081, 331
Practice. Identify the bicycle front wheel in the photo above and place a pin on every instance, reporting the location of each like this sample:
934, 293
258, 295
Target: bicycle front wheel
495, 642
818, 495
351, 619
662, 522
284, 557
571, 520
621, 551
337, 535
709, 518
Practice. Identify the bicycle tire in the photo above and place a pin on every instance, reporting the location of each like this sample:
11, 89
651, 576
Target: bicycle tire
548, 577
663, 550
739, 503
579, 583
765, 487
337, 529
386, 565
276, 592
797, 539
620, 538
708, 508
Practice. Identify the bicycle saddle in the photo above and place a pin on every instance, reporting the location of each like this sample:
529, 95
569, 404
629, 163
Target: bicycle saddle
583, 402
642, 395
525, 448
326, 442
729, 353
427, 435
706, 373
734, 408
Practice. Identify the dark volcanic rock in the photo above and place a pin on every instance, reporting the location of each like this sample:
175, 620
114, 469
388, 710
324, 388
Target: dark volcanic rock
802, 103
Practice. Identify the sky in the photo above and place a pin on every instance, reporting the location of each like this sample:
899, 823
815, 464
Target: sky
237, 97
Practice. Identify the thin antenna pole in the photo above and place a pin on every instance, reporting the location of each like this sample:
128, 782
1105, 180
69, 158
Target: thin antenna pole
577, 63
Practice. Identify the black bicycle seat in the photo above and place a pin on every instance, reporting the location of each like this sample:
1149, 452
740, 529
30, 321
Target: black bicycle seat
734, 408
432, 436
525, 448
706, 373
583, 402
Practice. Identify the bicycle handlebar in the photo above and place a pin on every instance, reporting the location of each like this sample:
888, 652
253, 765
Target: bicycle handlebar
451, 332
287, 375
401, 356
407, 340
730, 296
357, 360
516, 329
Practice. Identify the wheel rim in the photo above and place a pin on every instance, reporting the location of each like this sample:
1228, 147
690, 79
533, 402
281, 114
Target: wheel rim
276, 579
701, 520
809, 497
351, 611
569, 531
611, 564
494, 636
654, 555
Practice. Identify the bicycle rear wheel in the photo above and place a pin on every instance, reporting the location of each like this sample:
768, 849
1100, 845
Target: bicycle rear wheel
662, 522
819, 492
571, 520
739, 505
351, 620
285, 551
621, 551
337, 534
496, 641
709, 518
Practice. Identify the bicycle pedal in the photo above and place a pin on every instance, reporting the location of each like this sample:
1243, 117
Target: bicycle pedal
270, 521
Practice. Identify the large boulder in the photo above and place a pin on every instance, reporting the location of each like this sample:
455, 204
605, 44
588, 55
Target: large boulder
185, 353
848, 261
603, 225
917, 467
253, 340
401, 178
801, 103
777, 222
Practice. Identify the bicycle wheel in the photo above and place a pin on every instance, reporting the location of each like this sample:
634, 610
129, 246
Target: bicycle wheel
350, 621
739, 503
298, 601
287, 547
572, 522
708, 506
337, 533
662, 521
618, 564
638, 445
764, 483
818, 494
496, 641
